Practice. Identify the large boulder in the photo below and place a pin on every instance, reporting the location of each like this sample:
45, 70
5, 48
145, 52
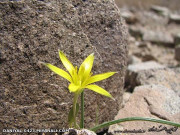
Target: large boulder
31, 96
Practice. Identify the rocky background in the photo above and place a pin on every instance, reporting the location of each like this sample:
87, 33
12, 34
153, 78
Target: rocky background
153, 74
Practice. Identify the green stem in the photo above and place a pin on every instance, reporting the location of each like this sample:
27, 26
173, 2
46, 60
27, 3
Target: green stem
82, 110
106, 124
97, 115
74, 108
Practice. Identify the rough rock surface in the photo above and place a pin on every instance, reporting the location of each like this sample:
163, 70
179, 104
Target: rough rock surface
102, 23
136, 32
31, 96
144, 66
129, 17
160, 10
135, 69
79, 132
175, 18
168, 77
153, 101
133, 60
158, 37
126, 97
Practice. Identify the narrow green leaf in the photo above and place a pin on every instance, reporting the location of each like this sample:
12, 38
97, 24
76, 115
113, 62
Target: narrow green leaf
82, 110
97, 115
77, 108
106, 124
70, 115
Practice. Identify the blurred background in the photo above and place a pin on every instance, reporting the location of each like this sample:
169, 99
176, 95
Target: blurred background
154, 30
153, 73
172, 4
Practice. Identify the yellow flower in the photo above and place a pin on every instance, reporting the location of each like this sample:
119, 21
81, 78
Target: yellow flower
82, 78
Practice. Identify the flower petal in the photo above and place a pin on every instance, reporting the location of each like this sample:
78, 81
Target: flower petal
99, 90
100, 77
86, 67
73, 88
68, 65
59, 71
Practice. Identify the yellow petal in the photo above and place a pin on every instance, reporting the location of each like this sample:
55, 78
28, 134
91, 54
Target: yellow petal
86, 67
75, 76
99, 90
73, 88
59, 71
100, 77
68, 65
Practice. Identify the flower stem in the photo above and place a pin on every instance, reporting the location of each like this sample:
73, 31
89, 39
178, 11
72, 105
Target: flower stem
82, 110
74, 109
105, 124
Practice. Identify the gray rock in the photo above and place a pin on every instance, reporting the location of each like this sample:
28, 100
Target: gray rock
144, 66
79, 132
33, 31
171, 103
135, 69
152, 101
160, 10
168, 77
129, 17
136, 32
134, 60
177, 52
174, 18
158, 37
126, 97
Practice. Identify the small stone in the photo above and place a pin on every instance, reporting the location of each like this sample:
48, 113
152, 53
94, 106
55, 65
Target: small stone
129, 17
72, 132
135, 69
144, 66
158, 37
174, 18
160, 10
136, 32
126, 97
79, 132
134, 60
168, 77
